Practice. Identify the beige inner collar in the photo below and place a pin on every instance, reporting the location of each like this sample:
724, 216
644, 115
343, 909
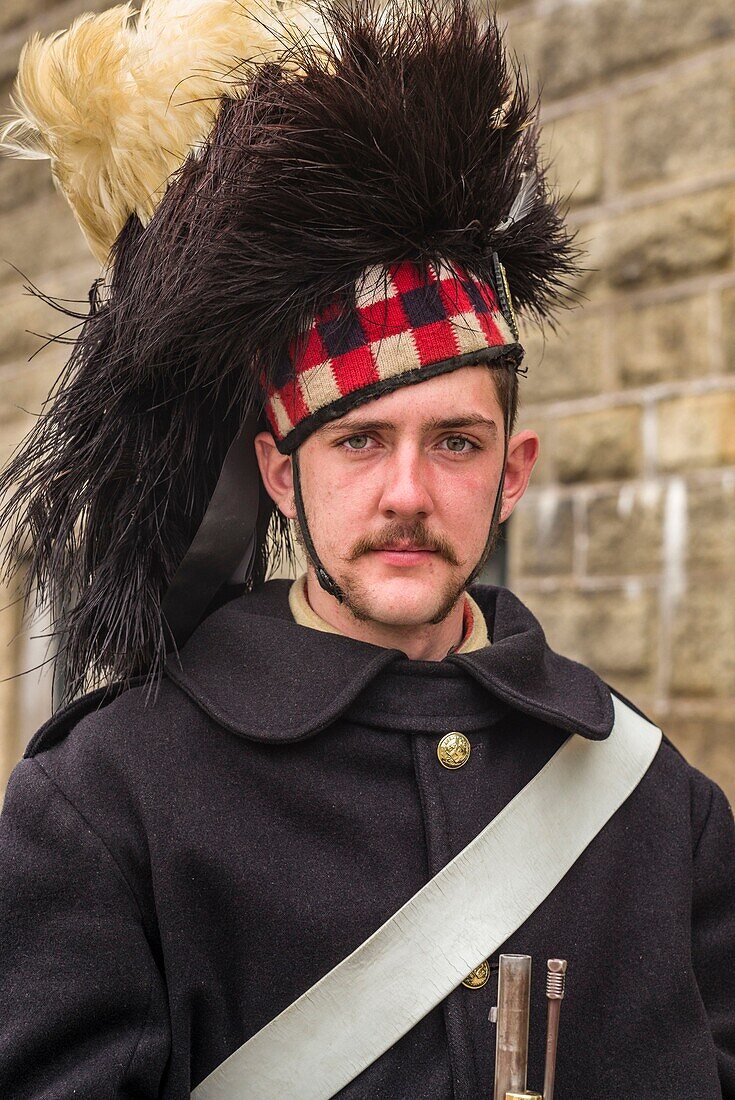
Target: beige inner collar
304, 615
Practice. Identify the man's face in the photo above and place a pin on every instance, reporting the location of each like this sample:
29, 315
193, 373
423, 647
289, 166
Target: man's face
399, 495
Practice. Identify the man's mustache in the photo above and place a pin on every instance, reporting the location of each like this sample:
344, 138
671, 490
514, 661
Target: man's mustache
416, 534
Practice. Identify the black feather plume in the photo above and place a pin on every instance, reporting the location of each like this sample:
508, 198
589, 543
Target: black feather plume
405, 132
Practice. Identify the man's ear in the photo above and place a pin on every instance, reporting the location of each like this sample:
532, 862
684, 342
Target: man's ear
276, 472
523, 451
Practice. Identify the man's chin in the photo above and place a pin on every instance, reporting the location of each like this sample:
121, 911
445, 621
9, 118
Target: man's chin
404, 597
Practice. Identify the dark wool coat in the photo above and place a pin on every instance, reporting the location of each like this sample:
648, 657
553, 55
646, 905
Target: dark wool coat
174, 875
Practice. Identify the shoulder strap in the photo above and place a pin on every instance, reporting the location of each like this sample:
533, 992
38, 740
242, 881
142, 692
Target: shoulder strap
321, 1042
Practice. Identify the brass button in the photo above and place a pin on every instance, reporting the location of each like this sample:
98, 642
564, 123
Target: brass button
478, 977
453, 750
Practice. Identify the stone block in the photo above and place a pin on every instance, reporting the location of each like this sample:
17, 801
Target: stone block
543, 471
565, 364
620, 636
15, 13
22, 394
583, 43
706, 737
24, 180
662, 342
523, 36
24, 323
613, 631
8, 687
574, 146
683, 127
633, 34
600, 445
41, 236
561, 612
710, 538
696, 431
570, 53
592, 240
703, 640
27, 322
44, 16
728, 328
671, 240
624, 530
541, 535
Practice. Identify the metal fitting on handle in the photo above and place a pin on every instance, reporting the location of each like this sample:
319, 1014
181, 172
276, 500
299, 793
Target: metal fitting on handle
556, 976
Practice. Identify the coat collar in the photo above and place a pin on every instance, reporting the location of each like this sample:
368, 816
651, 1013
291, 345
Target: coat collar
258, 673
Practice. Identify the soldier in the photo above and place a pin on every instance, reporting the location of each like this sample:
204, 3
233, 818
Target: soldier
277, 851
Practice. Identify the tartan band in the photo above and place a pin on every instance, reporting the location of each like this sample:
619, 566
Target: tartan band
410, 323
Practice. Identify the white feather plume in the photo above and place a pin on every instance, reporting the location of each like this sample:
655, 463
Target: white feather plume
522, 203
117, 101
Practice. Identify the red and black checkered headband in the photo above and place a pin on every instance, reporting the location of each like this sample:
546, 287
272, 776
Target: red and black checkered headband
409, 323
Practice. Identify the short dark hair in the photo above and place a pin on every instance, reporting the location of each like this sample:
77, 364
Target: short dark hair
505, 374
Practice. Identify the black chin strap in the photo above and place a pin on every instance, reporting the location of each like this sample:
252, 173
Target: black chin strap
495, 521
329, 584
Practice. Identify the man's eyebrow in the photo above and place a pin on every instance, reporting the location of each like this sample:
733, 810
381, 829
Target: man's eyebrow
463, 422
436, 423
358, 426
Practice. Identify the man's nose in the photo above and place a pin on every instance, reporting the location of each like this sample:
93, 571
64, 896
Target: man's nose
406, 491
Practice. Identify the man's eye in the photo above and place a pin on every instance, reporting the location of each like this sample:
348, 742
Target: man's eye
459, 444
357, 442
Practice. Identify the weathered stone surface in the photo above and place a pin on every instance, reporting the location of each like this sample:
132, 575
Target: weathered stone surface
8, 654
592, 239
670, 240
697, 430
625, 530
24, 321
683, 127
27, 322
561, 612
614, 631
566, 364
620, 630
14, 13
523, 36
598, 445
706, 737
38, 237
574, 146
22, 180
634, 33
22, 393
703, 641
658, 343
570, 53
542, 535
543, 471
728, 328
49, 16
710, 534
582, 43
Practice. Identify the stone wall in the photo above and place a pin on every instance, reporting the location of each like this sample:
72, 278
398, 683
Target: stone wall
38, 238
625, 544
